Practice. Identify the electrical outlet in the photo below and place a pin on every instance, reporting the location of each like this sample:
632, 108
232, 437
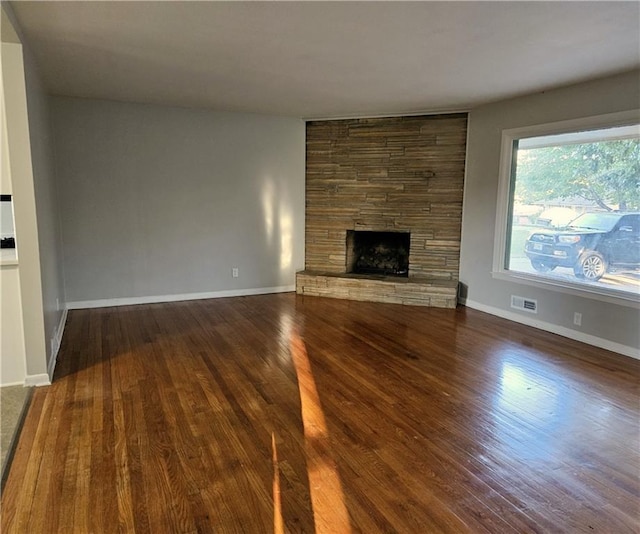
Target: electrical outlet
235, 272
577, 319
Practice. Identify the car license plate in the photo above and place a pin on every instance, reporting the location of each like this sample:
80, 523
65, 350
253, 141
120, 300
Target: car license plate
537, 246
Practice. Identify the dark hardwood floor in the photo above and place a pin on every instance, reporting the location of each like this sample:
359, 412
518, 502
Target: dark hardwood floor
280, 413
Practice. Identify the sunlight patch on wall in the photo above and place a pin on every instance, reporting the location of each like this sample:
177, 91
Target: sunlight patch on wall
286, 238
268, 202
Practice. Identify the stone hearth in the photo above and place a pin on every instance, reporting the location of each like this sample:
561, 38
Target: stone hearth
402, 175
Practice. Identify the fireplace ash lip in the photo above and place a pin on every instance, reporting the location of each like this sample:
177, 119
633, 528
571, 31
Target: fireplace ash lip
363, 270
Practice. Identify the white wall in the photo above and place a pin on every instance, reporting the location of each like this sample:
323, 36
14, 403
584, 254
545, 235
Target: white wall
35, 204
159, 201
24, 207
607, 324
12, 351
5, 170
47, 208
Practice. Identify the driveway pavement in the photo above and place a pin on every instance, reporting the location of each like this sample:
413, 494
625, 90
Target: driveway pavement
622, 281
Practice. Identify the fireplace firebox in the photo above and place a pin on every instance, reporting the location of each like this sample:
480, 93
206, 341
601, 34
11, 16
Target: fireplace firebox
379, 253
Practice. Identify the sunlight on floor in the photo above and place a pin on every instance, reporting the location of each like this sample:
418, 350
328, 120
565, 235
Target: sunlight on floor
327, 497
278, 525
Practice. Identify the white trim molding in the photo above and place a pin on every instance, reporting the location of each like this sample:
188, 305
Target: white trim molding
555, 329
55, 344
154, 299
584, 289
629, 118
41, 379
18, 383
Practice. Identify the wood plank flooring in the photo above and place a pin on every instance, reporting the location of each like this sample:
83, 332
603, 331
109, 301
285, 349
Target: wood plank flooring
282, 413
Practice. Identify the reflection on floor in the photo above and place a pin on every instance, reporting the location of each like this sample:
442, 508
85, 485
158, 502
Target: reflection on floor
288, 413
12, 401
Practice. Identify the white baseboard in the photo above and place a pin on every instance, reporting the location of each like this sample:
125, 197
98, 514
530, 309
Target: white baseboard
106, 303
56, 342
19, 383
37, 380
555, 329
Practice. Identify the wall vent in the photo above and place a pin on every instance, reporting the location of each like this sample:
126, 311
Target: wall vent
524, 304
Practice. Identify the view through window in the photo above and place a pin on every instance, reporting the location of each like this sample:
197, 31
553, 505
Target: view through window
575, 208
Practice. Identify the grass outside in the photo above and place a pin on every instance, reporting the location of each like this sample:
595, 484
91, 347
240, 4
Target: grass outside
519, 236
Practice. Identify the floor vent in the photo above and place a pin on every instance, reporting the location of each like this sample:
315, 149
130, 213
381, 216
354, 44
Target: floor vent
521, 303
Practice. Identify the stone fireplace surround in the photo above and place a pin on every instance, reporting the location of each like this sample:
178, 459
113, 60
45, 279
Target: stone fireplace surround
400, 174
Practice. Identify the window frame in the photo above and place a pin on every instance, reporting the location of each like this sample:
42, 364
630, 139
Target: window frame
504, 206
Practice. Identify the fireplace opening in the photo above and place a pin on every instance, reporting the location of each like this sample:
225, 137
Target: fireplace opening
383, 253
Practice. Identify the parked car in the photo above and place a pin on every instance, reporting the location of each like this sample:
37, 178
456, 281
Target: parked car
592, 245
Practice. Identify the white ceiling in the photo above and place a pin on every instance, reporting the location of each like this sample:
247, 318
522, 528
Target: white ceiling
326, 59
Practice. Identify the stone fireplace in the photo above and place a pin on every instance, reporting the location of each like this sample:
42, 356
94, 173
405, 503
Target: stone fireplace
384, 209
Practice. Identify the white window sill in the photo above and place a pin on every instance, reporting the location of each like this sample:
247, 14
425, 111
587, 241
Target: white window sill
585, 290
8, 256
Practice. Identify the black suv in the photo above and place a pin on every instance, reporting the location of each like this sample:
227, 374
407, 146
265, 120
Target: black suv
592, 244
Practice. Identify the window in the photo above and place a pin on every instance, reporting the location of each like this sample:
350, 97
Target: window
7, 233
569, 206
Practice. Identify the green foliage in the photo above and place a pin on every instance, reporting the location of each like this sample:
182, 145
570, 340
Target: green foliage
606, 172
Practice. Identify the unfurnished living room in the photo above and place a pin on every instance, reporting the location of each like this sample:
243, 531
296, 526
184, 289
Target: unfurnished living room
327, 267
